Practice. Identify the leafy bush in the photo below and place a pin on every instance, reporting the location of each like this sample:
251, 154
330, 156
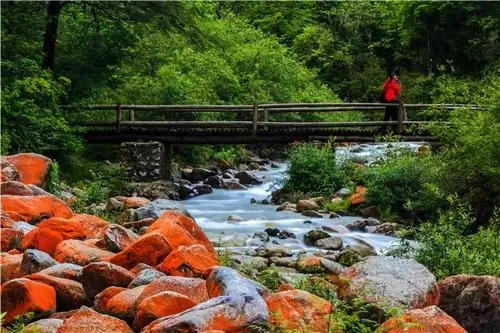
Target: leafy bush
403, 186
314, 169
446, 249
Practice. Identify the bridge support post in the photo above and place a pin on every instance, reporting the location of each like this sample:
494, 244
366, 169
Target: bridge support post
118, 117
167, 172
255, 119
148, 160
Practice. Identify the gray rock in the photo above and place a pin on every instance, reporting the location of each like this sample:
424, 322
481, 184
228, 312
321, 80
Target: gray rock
273, 232
157, 207
65, 271
160, 189
343, 193
273, 250
227, 175
214, 181
48, 325
284, 234
35, 261
249, 263
145, 277
118, 238
307, 204
247, 178
261, 237
311, 213
114, 205
287, 206
197, 174
387, 228
312, 236
233, 185
253, 201
330, 243
334, 216
361, 224
332, 266
284, 262
25, 227
388, 282
254, 166
274, 165
234, 218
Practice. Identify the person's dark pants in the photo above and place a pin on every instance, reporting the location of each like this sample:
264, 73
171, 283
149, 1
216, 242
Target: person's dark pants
391, 113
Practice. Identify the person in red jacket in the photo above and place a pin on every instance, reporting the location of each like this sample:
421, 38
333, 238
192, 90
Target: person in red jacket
391, 92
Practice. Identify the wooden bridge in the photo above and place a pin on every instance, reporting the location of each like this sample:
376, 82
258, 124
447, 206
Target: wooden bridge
259, 123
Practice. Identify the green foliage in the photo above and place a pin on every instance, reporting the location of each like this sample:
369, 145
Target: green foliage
19, 324
402, 185
233, 155
446, 248
106, 180
314, 169
270, 278
54, 185
31, 119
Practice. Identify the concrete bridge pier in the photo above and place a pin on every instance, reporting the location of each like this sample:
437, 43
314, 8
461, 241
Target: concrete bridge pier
148, 160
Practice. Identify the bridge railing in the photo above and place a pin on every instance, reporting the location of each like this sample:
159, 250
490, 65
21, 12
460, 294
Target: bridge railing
259, 114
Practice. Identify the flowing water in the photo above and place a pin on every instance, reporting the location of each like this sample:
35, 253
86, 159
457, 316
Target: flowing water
211, 211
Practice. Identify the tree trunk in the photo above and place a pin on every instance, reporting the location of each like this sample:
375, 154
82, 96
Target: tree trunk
50, 37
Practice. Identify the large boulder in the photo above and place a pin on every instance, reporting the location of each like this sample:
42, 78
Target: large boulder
135, 202
34, 208
188, 261
474, 301
47, 325
430, 319
87, 320
156, 208
161, 305
330, 243
387, 282
150, 249
32, 168
197, 174
298, 310
20, 296
101, 299
52, 232
124, 304
180, 229
69, 293
98, 276
237, 304
145, 276
214, 181
77, 252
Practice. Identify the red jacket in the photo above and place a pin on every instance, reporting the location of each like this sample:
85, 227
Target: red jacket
391, 90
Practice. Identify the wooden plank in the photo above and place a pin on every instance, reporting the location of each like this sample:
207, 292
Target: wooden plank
300, 105
328, 109
399, 127
272, 124
255, 119
118, 117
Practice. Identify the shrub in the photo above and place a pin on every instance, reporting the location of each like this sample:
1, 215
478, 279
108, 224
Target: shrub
403, 186
446, 249
314, 169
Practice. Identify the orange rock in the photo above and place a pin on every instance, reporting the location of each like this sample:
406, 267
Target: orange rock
285, 286
180, 229
136, 202
160, 305
123, 305
189, 261
87, 320
309, 264
430, 319
93, 226
98, 276
69, 293
101, 299
10, 239
10, 266
150, 249
53, 231
76, 252
359, 197
20, 296
65, 271
34, 208
15, 188
14, 251
193, 288
299, 310
32, 168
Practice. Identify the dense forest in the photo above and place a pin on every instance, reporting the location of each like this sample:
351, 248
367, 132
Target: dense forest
233, 52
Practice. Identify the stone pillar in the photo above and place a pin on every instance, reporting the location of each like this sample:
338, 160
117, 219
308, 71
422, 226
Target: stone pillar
148, 160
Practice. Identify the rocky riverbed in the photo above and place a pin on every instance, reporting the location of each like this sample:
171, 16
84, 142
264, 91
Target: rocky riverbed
159, 271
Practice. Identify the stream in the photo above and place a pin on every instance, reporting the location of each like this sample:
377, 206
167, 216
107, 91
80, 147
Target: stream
211, 211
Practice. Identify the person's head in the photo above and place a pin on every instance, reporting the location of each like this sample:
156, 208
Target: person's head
393, 76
